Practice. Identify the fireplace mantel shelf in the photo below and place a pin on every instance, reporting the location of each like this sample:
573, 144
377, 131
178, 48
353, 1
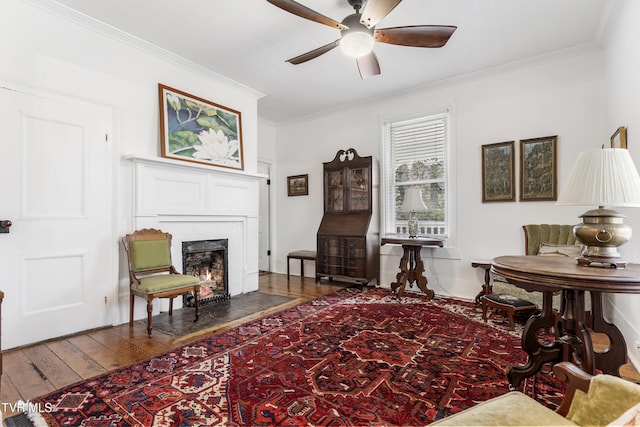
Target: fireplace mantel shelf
161, 161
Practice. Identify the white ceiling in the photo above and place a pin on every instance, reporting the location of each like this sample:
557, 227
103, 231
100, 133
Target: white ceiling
249, 41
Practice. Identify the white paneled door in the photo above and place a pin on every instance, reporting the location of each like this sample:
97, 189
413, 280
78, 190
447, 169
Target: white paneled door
56, 188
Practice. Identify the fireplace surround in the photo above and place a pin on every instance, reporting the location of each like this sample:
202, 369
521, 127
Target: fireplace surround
184, 199
207, 260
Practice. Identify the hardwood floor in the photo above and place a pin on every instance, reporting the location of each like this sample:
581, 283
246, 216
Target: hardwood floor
32, 371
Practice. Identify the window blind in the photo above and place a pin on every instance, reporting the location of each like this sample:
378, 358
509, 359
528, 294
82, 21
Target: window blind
415, 154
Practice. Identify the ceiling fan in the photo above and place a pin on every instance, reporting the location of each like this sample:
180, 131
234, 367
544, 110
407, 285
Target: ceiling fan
359, 33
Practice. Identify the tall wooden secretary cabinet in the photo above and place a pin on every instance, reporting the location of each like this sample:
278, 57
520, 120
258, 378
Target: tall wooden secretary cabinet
348, 239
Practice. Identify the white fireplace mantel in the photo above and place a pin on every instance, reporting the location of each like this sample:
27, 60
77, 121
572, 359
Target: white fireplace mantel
169, 187
199, 202
191, 165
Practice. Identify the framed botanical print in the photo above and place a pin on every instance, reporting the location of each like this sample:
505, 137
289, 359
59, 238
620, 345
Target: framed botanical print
196, 130
498, 172
538, 169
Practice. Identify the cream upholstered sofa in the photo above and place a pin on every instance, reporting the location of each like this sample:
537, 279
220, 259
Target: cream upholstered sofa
542, 240
588, 401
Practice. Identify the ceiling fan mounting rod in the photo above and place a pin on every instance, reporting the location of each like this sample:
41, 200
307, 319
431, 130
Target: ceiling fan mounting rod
356, 4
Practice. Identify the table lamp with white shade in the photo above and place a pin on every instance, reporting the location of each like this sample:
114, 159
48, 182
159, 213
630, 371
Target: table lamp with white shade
606, 178
413, 203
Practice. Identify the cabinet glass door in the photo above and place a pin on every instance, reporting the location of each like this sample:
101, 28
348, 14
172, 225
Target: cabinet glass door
359, 189
334, 191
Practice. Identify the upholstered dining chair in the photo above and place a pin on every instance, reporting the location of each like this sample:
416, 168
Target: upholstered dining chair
151, 273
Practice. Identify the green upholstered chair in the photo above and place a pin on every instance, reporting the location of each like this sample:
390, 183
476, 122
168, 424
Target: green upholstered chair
541, 240
151, 273
588, 400
554, 240
557, 235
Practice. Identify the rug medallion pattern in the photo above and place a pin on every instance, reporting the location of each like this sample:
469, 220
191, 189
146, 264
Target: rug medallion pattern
352, 358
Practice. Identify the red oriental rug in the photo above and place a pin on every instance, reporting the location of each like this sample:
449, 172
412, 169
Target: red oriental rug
350, 358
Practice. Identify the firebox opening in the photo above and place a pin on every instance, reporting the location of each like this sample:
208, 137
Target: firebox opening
207, 260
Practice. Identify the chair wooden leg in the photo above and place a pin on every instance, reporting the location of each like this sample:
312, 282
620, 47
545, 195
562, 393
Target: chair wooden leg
131, 301
149, 311
510, 314
484, 311
171, 306
197, 294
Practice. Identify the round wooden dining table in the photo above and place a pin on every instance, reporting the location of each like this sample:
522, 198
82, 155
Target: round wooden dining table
555, 336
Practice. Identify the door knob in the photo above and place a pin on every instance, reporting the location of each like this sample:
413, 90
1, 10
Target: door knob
4, 225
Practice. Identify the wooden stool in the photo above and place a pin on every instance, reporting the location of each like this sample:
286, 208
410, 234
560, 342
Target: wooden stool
301, 255
507, 303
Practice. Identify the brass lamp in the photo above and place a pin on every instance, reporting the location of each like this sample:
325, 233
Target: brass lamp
605, 178
413, 203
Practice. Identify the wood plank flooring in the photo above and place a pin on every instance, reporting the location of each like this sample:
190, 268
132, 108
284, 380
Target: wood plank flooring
32, 371
35, 370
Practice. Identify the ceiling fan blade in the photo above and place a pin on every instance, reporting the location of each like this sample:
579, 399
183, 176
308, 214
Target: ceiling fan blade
375, 10
368, 65
306, 13
314, 53
418, 35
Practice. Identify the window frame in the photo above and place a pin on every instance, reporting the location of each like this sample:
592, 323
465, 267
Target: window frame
387, 175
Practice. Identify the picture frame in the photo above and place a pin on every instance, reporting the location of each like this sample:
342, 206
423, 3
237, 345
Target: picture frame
298, 185
498, 172
539, 169
619, 138
196, 130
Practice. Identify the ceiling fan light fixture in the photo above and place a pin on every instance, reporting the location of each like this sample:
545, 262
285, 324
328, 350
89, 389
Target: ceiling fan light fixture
359, 33
357, 43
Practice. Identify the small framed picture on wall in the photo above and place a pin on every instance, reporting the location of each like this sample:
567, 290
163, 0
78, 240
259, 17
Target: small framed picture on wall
538, 169
498, 170
298, 185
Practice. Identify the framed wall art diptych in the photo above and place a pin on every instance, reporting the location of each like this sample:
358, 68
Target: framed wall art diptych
498, 172
539, 169
196, 130
298, 185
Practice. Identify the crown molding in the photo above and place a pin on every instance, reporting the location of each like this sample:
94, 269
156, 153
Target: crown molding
123, 37
514, 66
607, 21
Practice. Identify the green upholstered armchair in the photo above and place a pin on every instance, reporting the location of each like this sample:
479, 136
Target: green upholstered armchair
588, 400
151, 273
552, 234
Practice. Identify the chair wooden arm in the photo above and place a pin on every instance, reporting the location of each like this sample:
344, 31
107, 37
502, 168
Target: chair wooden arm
574, 379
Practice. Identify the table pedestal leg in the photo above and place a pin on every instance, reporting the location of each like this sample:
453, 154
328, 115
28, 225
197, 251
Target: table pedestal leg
411, 269
538, 354
573, 340
615, 355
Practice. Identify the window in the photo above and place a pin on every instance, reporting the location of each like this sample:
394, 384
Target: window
415, 156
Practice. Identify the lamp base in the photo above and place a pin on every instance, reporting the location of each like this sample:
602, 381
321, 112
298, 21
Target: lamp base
588, 261
413, 225
602, 231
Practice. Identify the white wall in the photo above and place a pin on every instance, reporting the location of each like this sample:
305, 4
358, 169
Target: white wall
562, 96
623, 109
47, 47
267, 141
